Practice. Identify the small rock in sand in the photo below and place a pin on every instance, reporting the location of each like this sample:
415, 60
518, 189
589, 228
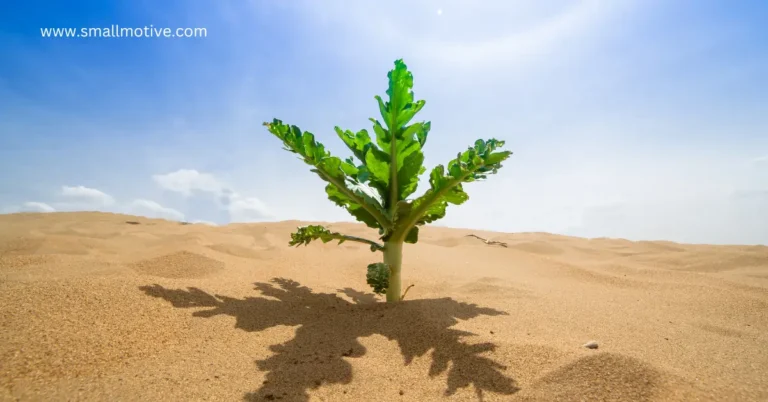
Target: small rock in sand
591, 345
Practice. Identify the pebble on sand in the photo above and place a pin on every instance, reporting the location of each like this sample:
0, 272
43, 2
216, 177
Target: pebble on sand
591, 345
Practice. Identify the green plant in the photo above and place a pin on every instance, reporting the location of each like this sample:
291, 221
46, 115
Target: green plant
376, 191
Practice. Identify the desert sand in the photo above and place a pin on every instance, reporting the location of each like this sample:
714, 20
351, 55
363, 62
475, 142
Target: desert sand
97, 306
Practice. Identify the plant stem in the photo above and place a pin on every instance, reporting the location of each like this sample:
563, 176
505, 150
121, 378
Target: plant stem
393, 256
376, 246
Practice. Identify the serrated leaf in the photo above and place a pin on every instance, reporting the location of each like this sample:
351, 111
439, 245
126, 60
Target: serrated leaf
400, 108
409, 111
413, 235
358, 143
306, 234
401, 144
420, 130
473, 164
423, 133
377, 163
378, 277
349, 168
383, 137
333, 170
408, 174
496, 158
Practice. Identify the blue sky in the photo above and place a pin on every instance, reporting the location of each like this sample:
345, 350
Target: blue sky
634, 119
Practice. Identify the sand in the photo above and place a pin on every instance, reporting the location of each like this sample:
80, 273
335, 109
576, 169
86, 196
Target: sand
94, 308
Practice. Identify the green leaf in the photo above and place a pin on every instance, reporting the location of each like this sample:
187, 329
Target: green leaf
377, 163
413, 235
409, 111
349, 168
496, 158
383, 138
444, 190
400, 108
342, 176
306, 234
421, 130
354, 208
476, 163
408, 174
378, 277
375, 167
358, 143
383, 108
400, 144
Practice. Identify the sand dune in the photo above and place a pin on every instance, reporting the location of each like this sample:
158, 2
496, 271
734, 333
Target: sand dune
94, 308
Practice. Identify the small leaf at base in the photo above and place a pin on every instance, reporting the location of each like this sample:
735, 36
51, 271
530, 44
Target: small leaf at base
378, 277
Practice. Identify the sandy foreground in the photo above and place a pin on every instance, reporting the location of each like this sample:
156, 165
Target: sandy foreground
95, 308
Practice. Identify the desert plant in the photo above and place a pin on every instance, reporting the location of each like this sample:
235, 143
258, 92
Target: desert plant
376, 191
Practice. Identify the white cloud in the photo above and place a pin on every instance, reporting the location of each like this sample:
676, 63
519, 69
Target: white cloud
241, 208
80, 198
248, 210
152, 209
29, 206
87, 195
760, 159
186, 181
34, 206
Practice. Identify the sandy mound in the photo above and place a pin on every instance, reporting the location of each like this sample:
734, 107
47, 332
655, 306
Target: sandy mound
183, 264
111, 307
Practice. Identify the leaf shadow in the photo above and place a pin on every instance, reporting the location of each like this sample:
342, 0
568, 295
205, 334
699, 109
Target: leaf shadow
329, 329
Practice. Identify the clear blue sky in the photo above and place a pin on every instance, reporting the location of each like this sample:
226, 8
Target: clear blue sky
643, 119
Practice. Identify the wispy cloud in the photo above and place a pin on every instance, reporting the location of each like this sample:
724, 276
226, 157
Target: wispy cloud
154, 210
81, 198
189, 182
248, 210
29, 206
38, 206
87, 195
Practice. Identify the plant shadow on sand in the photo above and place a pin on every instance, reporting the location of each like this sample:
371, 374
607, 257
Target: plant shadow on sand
329, 329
